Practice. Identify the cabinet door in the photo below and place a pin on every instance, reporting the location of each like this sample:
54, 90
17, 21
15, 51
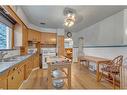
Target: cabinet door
54, 37
13, 80
28, 67
25, 39
30, 35
25, 35
35, 35
42, 38
36, 61
21, 74
3, 80
49, 38
3, 83
39, 37
60, 45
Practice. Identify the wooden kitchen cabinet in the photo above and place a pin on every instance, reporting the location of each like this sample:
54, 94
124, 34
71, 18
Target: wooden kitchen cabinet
36, 60
30, 35
48, 38
60, 45
28, 67
21, 74
52, 38
34, 35
25, 35
13, 80
3, 80
20, 35
42, 38
16, 77
39, 36
3, 83
24, 40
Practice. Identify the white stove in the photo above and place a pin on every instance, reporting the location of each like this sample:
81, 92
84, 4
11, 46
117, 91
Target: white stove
47, 52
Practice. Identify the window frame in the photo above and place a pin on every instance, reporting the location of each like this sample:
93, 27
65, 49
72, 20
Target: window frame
10, 43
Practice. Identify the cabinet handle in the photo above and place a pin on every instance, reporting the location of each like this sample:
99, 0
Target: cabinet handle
12, 78
13, 69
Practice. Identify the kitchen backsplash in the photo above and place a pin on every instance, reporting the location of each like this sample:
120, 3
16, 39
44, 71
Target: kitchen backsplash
11, 53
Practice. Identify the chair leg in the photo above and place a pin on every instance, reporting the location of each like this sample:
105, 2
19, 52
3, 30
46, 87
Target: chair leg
80, 64
101, 76
113, 81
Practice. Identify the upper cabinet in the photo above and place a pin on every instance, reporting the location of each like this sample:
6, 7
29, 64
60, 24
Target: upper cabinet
34, 35
61, 46
48, 38
25, 36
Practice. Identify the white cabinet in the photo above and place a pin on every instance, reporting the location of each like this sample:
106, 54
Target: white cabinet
18, 35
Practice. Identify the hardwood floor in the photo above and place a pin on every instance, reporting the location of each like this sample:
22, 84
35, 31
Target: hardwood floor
82, 78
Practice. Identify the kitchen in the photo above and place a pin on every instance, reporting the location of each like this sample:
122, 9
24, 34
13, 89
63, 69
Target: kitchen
31, 49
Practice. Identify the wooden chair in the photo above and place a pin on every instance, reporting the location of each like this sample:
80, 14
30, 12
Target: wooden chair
113, 69
82, 62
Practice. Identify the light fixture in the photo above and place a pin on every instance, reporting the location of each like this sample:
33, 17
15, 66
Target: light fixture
69, 17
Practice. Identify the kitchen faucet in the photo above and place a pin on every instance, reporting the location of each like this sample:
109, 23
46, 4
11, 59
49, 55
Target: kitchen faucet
2, 54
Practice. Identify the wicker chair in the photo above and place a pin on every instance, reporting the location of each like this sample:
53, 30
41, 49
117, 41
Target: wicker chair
113, 69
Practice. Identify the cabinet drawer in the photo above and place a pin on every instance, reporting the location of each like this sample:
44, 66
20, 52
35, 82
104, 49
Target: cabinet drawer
13, 69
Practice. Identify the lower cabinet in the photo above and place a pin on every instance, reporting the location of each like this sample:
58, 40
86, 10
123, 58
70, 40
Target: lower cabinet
3, 83
3, 80
21, 74
36, 60
16, 78
28, 67
13, 78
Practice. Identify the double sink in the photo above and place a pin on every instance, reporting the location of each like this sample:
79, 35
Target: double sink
13, 59
7, 63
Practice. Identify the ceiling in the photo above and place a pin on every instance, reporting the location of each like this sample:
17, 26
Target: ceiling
54, 18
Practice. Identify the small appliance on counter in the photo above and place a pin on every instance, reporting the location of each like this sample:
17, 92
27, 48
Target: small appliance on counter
32, 50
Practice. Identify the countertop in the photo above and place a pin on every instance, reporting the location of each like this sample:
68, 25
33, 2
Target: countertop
4, 66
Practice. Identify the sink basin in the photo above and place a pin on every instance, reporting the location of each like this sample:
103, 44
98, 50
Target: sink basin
13, 59
10, 59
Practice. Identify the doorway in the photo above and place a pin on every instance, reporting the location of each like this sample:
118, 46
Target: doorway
68, 45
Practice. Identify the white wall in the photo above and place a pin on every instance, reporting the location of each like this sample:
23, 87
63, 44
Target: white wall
125, 26
109, 31
106, 52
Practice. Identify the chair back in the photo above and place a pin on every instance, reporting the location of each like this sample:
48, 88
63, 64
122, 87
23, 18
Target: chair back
117, 62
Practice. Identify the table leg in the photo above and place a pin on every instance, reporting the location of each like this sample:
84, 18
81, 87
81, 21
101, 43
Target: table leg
69, 77
49, 77
97, 72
